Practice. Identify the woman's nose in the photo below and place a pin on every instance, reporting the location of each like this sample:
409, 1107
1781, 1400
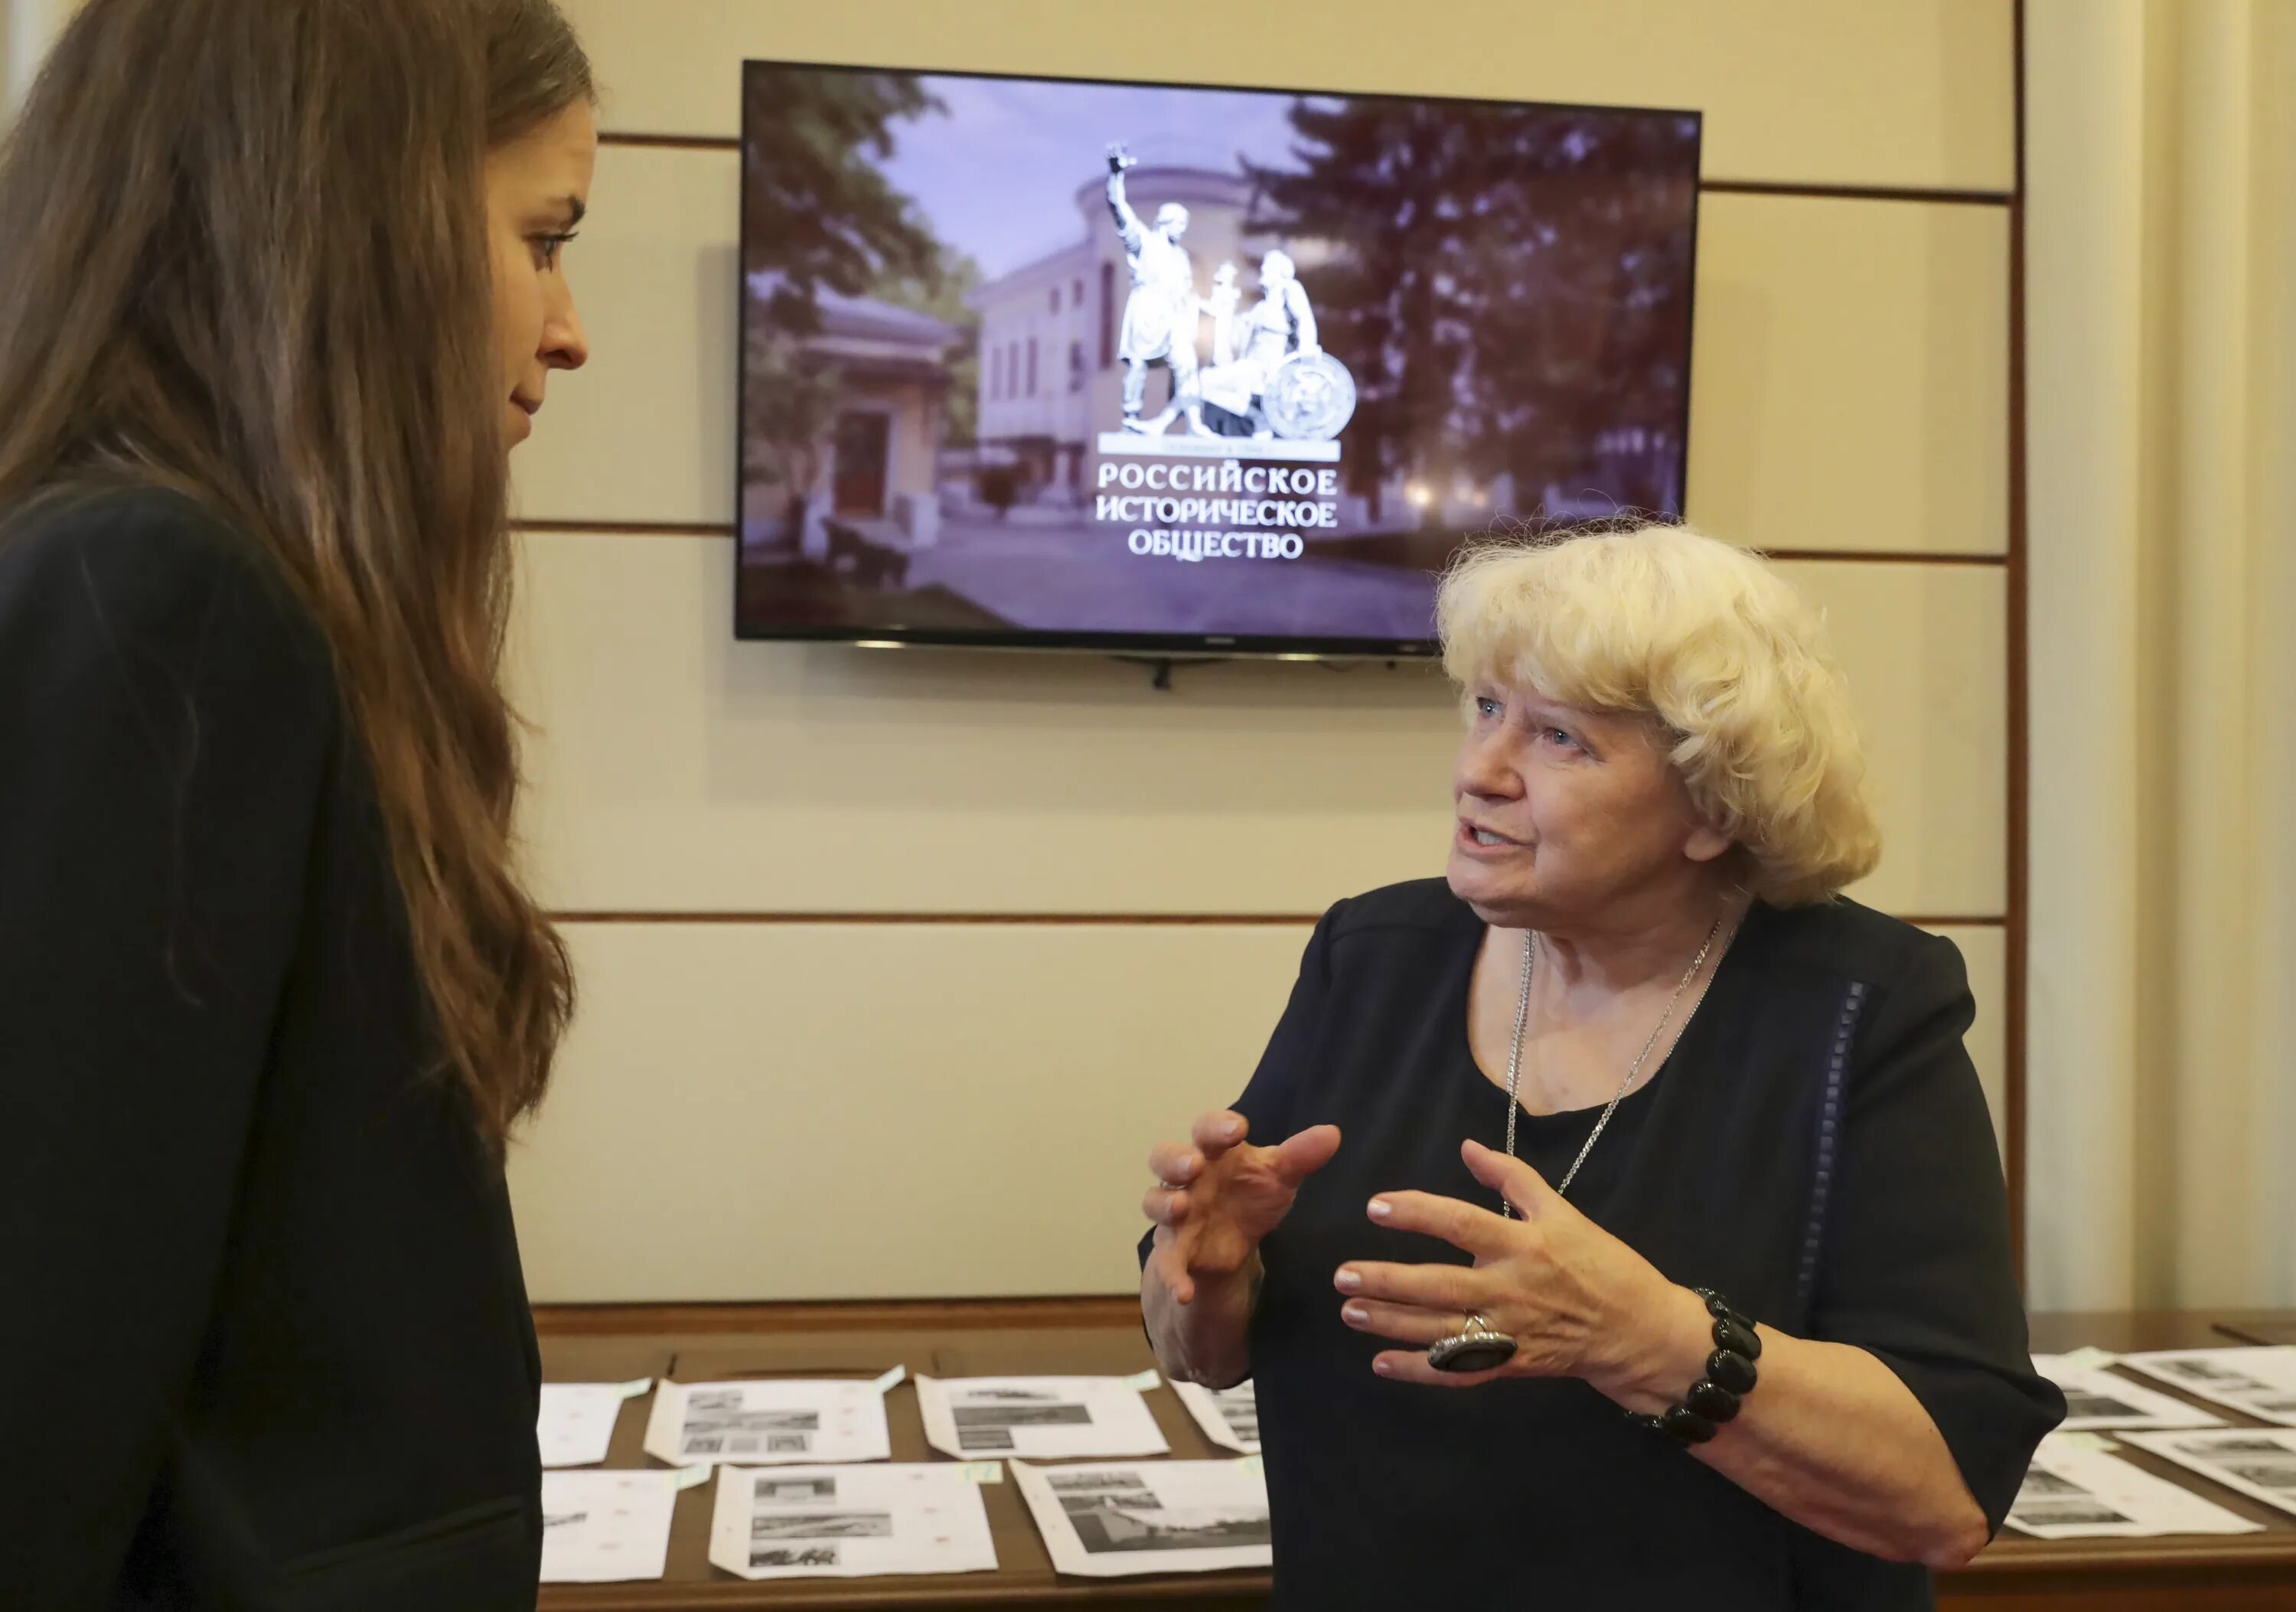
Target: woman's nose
1482, 769
563, 344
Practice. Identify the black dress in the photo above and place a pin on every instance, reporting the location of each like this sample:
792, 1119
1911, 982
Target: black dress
262, 1327
1817, 1146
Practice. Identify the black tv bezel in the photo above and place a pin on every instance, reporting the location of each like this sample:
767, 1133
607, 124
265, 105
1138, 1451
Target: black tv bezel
1205, 645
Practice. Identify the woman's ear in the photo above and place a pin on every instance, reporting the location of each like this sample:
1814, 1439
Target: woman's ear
1706, 842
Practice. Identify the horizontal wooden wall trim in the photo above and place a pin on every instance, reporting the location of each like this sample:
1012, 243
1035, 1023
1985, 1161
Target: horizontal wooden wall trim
629, 529
700, 529
1856, 192
1069, 919
567, 1321
712, 142
1885, 556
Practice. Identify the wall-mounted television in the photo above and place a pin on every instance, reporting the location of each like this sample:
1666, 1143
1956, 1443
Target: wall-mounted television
1051, 363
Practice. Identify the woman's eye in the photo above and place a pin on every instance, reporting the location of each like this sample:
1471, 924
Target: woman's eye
1486, 706
546, 249
1561, 736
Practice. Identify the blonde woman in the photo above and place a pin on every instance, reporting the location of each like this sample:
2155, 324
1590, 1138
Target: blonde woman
281, 286
1617, 1221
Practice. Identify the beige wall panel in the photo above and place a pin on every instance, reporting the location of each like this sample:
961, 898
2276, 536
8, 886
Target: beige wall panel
1849, 385
1850, 382
764, 1111
1925, 648
1877, 91
1985, 949
645, 432
678, 770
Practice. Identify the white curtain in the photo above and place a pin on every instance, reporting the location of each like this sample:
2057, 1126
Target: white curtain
2161, 295
26, 28
9, 93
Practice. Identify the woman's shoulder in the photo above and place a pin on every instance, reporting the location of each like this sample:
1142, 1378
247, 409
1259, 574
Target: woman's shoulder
123, 532
156, 620
153, 571
1846, 939
1397, 913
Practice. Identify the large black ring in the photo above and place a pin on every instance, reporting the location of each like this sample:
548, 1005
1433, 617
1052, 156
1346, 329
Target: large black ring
1475, 1347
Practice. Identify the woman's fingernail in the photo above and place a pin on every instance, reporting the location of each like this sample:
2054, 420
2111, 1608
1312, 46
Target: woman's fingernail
1347, 1281
1382, 1368
1381, 1208
1230, 1129
1355, 1315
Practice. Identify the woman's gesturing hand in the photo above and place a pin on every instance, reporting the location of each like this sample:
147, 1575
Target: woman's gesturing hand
1216, 1197
1576, 1301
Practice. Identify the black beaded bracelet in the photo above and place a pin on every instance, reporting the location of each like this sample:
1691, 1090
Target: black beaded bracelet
1730, 1377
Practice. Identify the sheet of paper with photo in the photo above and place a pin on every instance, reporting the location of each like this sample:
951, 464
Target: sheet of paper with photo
850, 1522
2259, 1462
1038, 1418
768, 1421
609, 1527
1104, 1521
1229, 1416
2072, 1491
2258, 1382
2096, 1398
576, 1423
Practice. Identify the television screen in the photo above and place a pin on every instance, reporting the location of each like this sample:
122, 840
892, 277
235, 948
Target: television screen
1034, 362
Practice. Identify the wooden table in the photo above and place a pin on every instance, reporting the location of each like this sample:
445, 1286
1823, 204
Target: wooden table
2248, 1573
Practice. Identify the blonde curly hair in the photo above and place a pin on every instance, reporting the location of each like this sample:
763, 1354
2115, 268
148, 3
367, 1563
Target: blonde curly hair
1717, 649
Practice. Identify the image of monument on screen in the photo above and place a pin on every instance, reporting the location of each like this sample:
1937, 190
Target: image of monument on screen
1047, 361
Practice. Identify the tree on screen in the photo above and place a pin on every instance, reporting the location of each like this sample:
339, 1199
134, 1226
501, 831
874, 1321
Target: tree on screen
817, 213
942, 296
817, 209
789, 404
1507, 284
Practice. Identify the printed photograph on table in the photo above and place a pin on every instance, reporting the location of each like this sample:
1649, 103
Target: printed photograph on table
2075, 1492
2258, 1382
574, 1422
2097, 1398
823, 1525
1171, 1516
852, 1522
1034, 361
770, 1421
2254, 1461
1229, 1416
607, 1527
984, 1418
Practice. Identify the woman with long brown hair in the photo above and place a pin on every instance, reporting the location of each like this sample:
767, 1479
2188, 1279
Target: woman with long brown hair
280, 285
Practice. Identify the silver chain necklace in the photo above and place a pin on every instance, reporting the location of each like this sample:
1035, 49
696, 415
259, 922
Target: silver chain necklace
1515, 1057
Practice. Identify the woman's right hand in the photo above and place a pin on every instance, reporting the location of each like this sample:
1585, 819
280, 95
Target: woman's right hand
1216, 1197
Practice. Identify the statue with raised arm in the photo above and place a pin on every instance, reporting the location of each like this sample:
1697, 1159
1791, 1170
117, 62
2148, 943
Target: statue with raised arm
1160, 314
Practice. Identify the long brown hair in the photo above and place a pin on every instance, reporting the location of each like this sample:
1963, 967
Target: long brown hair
243, 253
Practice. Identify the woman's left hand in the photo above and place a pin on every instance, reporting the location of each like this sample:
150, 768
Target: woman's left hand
1576, 1301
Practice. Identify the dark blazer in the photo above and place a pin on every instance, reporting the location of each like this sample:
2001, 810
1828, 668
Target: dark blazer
263, 1332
